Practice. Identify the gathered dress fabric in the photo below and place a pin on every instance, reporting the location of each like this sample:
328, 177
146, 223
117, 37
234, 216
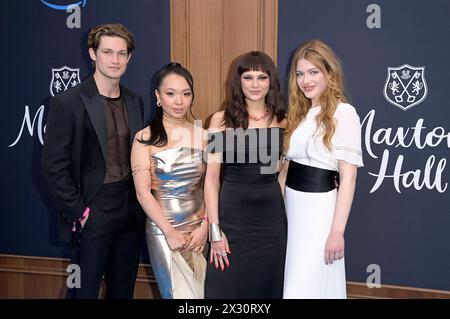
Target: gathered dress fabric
177, 184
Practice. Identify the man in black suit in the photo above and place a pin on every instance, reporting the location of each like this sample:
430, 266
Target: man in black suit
86, 164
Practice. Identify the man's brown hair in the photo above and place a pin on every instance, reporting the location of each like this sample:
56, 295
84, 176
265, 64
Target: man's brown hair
110, 30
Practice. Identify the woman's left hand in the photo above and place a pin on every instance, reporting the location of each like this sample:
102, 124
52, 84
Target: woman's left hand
198, 238
334, 247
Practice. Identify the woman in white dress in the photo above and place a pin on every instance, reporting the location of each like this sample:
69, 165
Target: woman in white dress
323, 150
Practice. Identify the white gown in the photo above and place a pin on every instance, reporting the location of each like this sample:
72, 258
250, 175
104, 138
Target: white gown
310, 215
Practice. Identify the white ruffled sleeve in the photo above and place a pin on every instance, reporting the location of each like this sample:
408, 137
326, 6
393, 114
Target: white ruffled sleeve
347, 137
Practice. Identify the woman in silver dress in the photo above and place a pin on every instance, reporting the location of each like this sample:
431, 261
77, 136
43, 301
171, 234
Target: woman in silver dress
168, 171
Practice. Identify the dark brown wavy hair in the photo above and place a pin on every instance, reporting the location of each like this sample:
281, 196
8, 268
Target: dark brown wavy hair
236, 114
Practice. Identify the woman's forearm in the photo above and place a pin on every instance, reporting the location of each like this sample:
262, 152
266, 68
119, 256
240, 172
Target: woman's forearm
212, 200
343, 203
154, 211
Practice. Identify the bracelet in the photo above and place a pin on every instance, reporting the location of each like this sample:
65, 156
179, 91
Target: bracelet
215, 234
204, 220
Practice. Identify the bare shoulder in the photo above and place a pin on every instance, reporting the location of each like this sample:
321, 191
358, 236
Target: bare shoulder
283, 123
200, 136
197, 128
198, 132
143, 134
217, 121
276, 123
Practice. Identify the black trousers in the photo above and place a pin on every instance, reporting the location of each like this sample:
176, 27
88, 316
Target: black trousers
109, 244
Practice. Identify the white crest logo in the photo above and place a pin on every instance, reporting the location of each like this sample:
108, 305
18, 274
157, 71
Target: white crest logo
405, 86
64, 78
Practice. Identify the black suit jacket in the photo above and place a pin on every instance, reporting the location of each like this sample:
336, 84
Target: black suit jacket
75, 147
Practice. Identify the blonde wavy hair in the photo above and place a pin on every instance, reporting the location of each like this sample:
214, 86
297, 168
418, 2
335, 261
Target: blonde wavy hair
323, 57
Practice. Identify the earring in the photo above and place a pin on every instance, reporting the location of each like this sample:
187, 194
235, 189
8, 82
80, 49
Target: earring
159, 104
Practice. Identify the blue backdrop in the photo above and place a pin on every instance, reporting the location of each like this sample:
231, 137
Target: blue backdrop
403, 229
400, 226
37, 39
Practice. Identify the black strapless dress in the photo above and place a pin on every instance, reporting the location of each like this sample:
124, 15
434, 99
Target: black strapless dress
253, 217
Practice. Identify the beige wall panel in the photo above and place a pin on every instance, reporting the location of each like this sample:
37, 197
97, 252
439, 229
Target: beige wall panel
269, 28
178, 31
207, 35
204, 55
240, 34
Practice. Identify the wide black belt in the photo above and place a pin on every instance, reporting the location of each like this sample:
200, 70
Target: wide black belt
310, 179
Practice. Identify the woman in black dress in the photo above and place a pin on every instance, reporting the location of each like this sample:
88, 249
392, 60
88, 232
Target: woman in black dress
246, 212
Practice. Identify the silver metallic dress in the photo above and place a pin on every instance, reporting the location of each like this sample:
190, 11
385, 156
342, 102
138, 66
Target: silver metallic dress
177, 184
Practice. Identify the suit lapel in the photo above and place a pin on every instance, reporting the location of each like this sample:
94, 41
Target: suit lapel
94, 106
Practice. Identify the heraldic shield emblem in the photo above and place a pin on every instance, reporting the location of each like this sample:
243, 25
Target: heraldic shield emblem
63, 78
405, 86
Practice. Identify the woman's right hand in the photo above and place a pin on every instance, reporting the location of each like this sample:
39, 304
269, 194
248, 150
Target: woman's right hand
177, 240
219, 251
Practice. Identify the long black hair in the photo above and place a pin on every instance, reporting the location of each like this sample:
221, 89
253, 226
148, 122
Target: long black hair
236, 114
158, 133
